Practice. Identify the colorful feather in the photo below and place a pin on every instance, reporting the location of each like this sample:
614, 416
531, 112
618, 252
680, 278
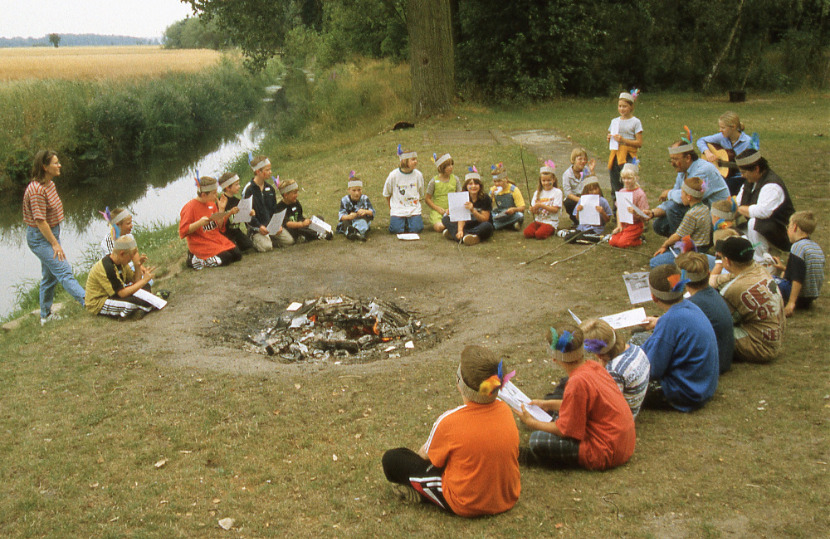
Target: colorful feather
686, 244
554, 338
508, 376
400, 151
635, 93
276, 180
500, 370
250, 158
106, 214
635, 161
434, 157
703, 186
595, 346
755, 142
564, 340
351, 174
677, 282
473, 169
688, 138
489, 385
551, 164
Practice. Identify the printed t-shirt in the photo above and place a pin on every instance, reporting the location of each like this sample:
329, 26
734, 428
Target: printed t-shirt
104, 281
208, 240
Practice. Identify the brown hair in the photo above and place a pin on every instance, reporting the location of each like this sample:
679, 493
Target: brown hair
481, 193
477, 365
576, 152
658, 279
444, 165
257, 160
804, 220
226, 176
588, 182
42, 159
594, 328
539, 188
694, 263
695, 183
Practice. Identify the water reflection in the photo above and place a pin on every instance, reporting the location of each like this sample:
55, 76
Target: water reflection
153, 195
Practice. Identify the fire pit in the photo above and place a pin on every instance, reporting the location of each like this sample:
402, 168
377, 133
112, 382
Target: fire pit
338, 329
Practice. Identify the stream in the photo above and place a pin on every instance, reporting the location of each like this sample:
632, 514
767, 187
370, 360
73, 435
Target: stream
154, 196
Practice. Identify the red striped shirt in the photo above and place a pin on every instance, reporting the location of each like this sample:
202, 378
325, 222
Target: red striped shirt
42, 203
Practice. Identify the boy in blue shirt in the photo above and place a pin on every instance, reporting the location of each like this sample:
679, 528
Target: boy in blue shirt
356, 211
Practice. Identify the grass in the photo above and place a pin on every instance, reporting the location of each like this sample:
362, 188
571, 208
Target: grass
99, 63
86, 422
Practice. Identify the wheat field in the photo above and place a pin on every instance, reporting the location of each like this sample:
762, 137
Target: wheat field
97, 63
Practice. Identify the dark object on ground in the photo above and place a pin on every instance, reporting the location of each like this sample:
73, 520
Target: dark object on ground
403, 125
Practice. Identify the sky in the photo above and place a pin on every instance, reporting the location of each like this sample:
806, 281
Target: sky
135, 18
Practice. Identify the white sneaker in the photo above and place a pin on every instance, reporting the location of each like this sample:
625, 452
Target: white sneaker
51, 318
471, 239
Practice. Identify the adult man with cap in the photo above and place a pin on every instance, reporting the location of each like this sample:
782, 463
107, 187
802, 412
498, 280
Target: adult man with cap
682, 350
765, 202
753, 299
668, 215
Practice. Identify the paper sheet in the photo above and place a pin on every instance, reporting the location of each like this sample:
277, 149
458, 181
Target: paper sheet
456, 203
589, 215
514, 397
637, 286
245, 206
152, 299
294, 307
625, 200
410, 236
626, 319
615, 130
319, 226
275, 223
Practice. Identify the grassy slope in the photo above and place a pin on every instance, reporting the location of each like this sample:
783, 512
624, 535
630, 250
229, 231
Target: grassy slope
85, 422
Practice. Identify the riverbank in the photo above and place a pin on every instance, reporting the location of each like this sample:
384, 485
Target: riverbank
162, 426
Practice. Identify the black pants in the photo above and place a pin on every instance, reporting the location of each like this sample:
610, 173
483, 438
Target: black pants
230, 256
405, 467
239, 238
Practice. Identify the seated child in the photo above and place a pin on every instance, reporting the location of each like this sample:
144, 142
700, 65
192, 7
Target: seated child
480, 226
626, 363
545, 204
696, 266
403, 190
206, 246
262, 189
592, 233
696, 223
469, 464
594, 428
754, 301
804, 273
356, 211
682, 350
111, 282
508, 202
572, 178
439, 187
295, 227
229, 202
717, 237
724, 213
630, 234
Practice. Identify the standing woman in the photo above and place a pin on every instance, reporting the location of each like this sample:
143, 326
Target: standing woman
43, 213
732, 139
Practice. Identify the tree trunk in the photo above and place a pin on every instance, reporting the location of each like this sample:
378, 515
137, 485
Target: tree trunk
431, 56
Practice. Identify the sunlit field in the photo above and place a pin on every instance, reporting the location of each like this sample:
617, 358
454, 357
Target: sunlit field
87, 63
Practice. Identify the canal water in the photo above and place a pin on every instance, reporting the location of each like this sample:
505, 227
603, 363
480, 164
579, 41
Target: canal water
154, 196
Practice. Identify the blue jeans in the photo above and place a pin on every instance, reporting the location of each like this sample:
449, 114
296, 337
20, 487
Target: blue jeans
54, 271
482, 230
399, 225
667, 225
505, 220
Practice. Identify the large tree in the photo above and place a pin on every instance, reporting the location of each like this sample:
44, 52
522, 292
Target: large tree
260, 27
55, 39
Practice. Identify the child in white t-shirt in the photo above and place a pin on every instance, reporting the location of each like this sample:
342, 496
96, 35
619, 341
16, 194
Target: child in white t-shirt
545, 204
403, 190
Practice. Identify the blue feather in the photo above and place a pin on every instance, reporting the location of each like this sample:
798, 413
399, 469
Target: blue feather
755, 142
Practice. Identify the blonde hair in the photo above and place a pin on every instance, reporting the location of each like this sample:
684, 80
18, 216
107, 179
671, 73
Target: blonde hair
594, 328
576, 152
804, 220
723, 233
732, 120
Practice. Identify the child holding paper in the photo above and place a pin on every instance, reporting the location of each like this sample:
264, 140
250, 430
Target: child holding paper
229, 202
262, 191
572, 178
594, 428
592, 231
697, 224
507, 199
111, 282
296, 227
625, 138
469, 464
356, 211
206, 246
479, 227
545, 204
630, 225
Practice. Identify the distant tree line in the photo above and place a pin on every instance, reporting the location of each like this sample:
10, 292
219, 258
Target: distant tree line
195, 33
538, 49
75, 40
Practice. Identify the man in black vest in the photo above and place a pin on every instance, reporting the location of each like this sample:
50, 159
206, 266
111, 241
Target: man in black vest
765, 203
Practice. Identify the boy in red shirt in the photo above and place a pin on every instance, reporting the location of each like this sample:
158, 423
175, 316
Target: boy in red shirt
469, 464
594, 428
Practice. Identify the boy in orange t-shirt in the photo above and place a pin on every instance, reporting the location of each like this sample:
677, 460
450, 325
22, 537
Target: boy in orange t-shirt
594, 428
469, 464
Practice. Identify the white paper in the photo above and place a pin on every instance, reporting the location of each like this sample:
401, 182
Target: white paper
589, 215
409, 236
637, 286
626, 319
319, 226
275, 223
615, 130
638, 211
456, 202
152, 299
514, 398
625, 200
294, 307
245, 206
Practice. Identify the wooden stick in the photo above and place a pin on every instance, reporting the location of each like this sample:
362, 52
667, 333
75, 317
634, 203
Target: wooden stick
555, 262
567, 241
